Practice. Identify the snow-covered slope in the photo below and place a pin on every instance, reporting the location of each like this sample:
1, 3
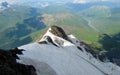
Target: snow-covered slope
54, 55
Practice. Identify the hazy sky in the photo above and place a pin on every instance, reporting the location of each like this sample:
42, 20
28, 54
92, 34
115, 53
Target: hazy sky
80, 1
85, 1
11, 1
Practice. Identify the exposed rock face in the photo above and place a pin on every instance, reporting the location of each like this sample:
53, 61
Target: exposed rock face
89, 49
9, 66
58, 32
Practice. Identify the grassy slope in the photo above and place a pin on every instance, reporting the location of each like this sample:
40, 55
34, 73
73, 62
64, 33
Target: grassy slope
14, 31
73, 22
9, 17
103, 18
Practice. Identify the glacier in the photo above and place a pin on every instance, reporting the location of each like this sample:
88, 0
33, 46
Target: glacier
64, 58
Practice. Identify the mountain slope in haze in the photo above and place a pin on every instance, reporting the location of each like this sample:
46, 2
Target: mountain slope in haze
18, 24
102, 17
59, 54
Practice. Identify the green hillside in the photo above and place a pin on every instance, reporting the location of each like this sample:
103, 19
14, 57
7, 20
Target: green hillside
21, 24
16, 25
9, 17
96, 11
102, 19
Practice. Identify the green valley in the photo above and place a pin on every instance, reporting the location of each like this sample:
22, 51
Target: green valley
88, 22
16, 25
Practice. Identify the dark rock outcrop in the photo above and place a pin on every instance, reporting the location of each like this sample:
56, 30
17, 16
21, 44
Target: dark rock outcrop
59, 32
88, 48
50, 40
9, 66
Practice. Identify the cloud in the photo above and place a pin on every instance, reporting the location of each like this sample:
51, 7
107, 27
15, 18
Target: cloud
86, 1
75, 1
21, 1
17, 1
83, 1
10, 1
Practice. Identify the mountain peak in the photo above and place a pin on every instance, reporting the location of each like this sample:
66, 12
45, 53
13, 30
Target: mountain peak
56, 36
58, 31
60, 54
